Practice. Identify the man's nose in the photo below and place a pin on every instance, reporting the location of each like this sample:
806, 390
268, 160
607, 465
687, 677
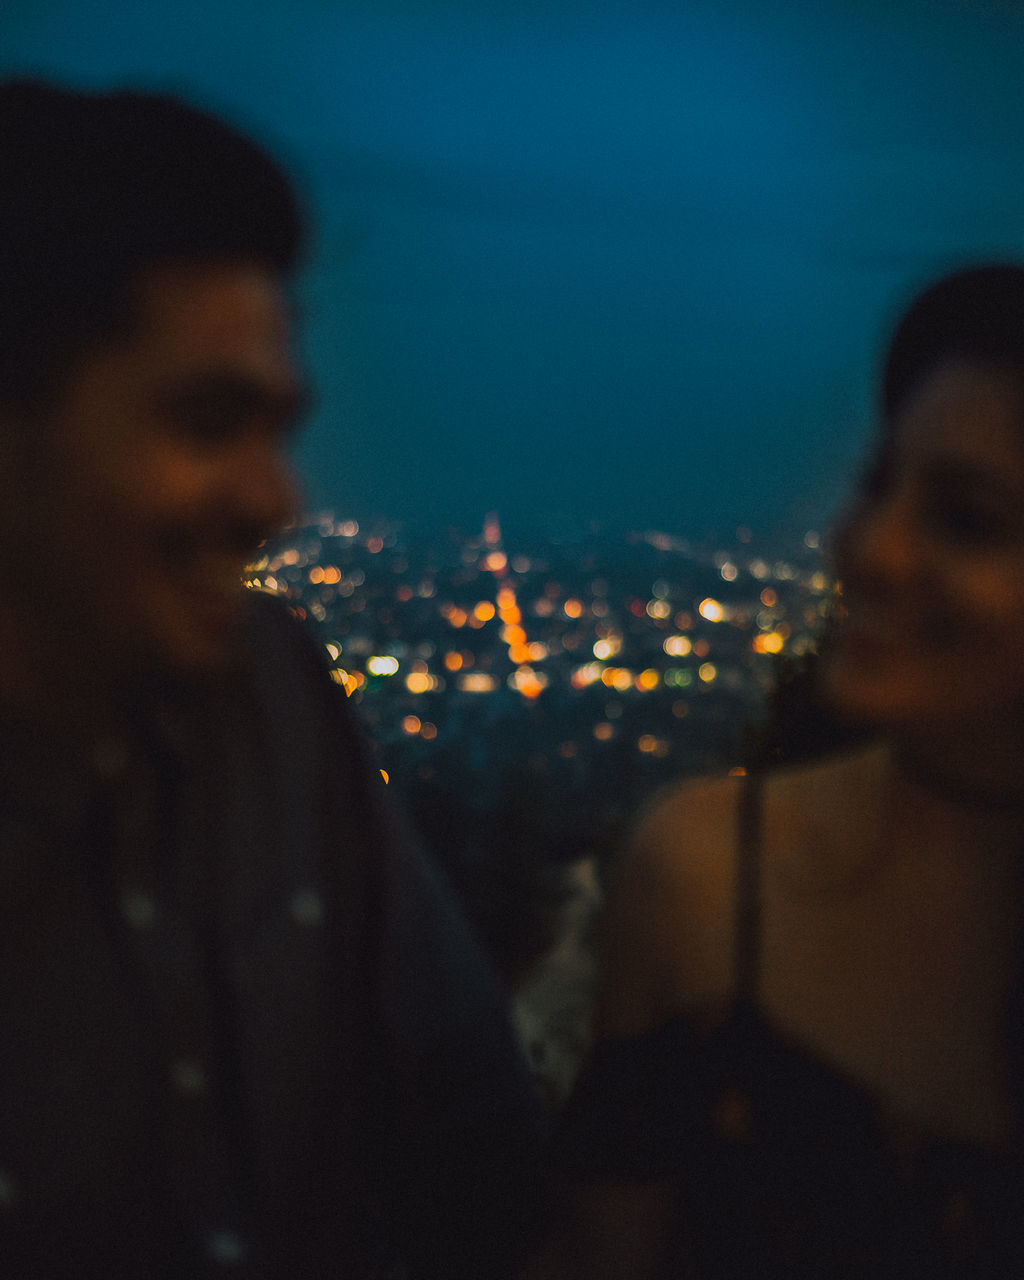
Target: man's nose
265, 491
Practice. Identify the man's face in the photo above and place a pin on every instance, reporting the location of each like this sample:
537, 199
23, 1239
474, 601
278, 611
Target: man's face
167, 453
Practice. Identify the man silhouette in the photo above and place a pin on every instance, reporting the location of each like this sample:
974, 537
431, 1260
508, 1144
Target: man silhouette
244, 1030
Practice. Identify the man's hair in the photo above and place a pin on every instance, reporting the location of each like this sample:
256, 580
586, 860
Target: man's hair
95, 188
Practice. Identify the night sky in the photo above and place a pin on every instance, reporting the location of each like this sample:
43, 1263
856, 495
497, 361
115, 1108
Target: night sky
580, 260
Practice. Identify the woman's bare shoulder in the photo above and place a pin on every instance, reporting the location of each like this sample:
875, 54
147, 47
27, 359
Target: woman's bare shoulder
670, 927
669, 919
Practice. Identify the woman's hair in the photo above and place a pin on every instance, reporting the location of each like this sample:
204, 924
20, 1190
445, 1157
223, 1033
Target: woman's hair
97, 187
974, 315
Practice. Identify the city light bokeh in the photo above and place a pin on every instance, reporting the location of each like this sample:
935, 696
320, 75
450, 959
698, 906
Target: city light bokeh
601, 661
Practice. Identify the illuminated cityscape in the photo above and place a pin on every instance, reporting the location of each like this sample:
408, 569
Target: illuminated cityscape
418, 634
526, 698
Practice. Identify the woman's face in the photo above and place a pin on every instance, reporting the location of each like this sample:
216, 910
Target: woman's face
932, 563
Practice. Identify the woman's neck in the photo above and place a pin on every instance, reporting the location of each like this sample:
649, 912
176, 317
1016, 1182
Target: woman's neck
970, 806
985, 774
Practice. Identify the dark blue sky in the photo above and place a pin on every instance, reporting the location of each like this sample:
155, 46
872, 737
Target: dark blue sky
617, 260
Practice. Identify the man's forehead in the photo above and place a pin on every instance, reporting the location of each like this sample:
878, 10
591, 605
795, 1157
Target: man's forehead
191, 315
225, 297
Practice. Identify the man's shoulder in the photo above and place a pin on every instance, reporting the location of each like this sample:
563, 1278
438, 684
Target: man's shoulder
278, 647
288, 676
268, 615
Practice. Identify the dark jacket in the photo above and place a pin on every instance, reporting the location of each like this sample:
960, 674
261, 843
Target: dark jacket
244, 1029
